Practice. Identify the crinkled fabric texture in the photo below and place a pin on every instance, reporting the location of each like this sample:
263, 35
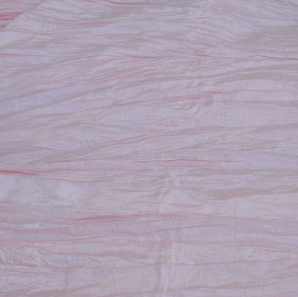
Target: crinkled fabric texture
11, 9
149, 148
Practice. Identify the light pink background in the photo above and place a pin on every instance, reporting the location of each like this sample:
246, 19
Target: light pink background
149, 148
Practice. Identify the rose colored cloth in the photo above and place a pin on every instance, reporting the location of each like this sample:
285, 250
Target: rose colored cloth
149, 148
11, 9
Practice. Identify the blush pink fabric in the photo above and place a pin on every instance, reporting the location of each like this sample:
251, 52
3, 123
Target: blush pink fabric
11, 9
149, 148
